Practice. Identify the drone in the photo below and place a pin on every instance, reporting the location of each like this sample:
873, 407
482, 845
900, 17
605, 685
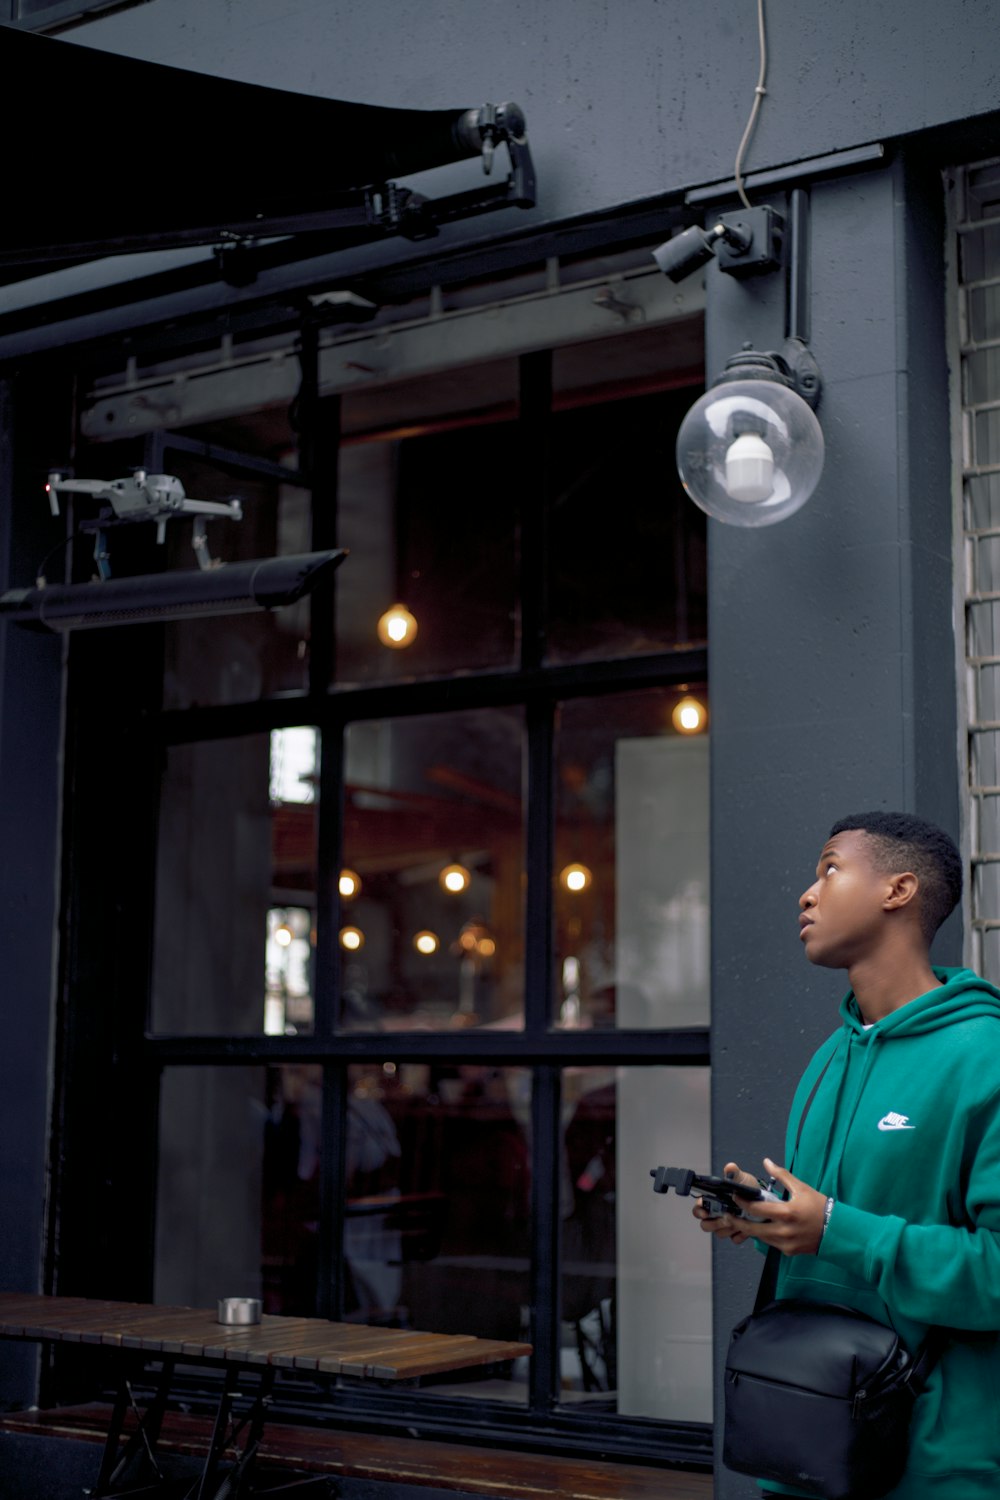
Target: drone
141, 497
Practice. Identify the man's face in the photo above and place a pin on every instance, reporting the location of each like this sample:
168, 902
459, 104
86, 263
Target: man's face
842, 915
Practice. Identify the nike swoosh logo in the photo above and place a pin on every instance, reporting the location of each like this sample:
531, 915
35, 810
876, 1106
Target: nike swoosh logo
883, 1126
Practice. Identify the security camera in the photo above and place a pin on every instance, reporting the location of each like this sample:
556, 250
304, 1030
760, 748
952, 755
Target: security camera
744, 244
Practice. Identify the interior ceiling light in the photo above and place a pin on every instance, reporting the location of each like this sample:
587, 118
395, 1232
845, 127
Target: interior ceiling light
397, 627
349, 884
229, 589
575, 877
426, 942
689, 716
352, 938
454, 879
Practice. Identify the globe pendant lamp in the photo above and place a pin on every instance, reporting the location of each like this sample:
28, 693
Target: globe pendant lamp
750, 451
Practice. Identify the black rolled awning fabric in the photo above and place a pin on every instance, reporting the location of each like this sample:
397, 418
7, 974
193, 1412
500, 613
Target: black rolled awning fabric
106, 154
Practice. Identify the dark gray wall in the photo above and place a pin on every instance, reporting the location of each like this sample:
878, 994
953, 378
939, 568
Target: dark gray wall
624, 98
30, 728
832, 650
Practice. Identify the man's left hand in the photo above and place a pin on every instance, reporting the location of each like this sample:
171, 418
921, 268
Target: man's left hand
794, 1227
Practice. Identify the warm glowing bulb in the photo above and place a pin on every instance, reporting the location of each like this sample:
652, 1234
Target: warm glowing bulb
575, 878
349, 884
487, 947
689, 716
454, 879
397, 627
283, 935
426, 942
352, 938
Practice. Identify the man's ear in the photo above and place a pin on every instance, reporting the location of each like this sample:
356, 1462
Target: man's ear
902, 889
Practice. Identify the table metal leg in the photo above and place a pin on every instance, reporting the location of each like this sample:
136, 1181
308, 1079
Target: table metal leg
143, 1440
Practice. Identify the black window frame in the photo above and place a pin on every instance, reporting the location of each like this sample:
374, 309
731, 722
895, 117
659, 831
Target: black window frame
132, 1058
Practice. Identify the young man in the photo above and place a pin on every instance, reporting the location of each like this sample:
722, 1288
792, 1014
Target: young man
893, 1202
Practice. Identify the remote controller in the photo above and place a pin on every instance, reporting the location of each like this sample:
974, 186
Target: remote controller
718, 1194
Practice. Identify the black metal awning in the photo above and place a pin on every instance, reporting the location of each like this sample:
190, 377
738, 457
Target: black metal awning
107, 154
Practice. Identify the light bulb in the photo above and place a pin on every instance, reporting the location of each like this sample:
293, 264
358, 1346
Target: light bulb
397, 627
349, 884
689, 716
426, 942
352, 938
749, 468
575, 878
454, 879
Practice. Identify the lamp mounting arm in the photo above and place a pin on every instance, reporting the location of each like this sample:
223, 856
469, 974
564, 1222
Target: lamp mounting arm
793, 365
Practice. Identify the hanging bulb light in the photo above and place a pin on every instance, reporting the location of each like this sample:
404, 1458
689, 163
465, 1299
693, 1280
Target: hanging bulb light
397, 627
454, 879
750, 451
575, 877
349, 885
352, 938
426, 942
689, 716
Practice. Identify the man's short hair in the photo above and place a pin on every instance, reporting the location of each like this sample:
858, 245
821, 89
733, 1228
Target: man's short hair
903, 842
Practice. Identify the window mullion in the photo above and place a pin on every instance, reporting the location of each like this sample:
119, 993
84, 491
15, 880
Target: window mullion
545, 1118
534, 420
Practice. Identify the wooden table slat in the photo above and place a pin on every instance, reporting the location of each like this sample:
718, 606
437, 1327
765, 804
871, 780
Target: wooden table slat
354, 1349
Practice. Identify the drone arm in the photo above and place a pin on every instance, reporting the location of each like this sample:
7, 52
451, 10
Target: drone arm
231, 508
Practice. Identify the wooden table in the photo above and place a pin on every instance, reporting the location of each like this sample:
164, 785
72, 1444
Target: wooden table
169, 1336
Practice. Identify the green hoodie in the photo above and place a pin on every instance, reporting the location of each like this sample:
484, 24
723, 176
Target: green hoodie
904, 1135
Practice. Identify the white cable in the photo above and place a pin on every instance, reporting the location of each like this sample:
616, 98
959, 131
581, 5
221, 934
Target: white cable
758, 95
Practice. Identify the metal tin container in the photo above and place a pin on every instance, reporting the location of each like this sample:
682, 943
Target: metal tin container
239, 1312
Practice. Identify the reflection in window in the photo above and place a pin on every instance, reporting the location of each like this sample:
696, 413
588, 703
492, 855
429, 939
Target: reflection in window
249, 656
235, 888
288, 998
436, 1232
631, 863
634, 1272
431, 523
433, 936
629, 572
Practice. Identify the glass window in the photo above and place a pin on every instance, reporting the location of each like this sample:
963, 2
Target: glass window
628, 570
437, 1226
631, 860
635, 1283
432, 921
215, 1131
431, 524
238, 658
235, 886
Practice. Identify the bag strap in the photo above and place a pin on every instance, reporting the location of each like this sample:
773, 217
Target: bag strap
769, 1275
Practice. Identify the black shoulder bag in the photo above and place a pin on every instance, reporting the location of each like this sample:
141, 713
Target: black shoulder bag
819, 1396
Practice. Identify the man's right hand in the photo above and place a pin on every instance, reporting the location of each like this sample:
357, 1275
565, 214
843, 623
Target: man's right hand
724, 1226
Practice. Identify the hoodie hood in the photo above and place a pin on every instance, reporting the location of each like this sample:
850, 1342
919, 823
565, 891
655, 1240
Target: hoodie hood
961, 996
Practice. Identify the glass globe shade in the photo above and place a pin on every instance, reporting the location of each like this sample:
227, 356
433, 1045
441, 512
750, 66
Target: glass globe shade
750, 452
